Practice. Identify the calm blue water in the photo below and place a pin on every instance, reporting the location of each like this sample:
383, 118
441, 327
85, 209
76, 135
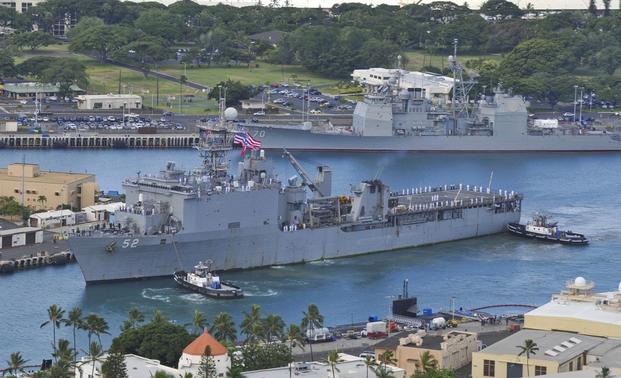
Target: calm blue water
581, 191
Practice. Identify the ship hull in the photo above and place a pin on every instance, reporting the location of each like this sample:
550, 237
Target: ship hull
160, 255
273, 137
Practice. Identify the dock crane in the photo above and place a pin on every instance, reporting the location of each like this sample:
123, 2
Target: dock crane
302, 172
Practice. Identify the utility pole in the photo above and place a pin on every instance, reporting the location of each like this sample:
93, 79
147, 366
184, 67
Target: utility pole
119, 82
581, 101
575, 99
157, 91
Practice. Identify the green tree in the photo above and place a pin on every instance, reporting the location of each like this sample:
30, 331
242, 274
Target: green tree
158, 339
90, 34
333, 358
311, 320
95, 325
592, 7
500, 8
64, 351
606, 7
274, 327
199, 322
134, 318
369, 363
252, 325
534, 56
42, 200
609, 58
161, 23
16, 363
7, 65
223, 328
235, 92
114, 365
93, 354
383, 371
426, 362
60, 369
529, 348
55, 319
32, 40
295, 338
207, 366
66, 73
36, 65
257, 356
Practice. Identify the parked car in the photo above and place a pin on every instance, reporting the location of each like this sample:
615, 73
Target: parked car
259, 113
315, 111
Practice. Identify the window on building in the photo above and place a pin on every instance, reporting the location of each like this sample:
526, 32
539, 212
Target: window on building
97, 105
56, 194
16, 191
571, 366
489, 368
541, 370
579, 364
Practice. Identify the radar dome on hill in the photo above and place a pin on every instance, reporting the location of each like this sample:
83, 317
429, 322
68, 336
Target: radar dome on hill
230, 114
580, 281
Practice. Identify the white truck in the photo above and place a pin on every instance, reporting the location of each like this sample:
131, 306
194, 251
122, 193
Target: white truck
318, 334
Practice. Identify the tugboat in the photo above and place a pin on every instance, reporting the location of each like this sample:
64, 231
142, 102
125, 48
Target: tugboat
541, 228
204, 282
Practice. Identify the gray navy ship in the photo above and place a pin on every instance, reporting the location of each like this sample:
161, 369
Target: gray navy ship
393, 117
252, 219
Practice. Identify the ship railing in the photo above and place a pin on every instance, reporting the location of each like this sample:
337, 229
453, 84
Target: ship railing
453, 205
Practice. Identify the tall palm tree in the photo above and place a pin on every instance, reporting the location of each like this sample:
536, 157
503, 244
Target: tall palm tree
223, 328
295, 338
55, 315
16, 363
369, 362
387, 358
199, 322
42, 200
134, 317
426, 363
95, 325
63, 351
94, 354
61, 369
333, 359
383, 372
528, 348
74, 319
252, 325
312, 319
274, 326
158, 317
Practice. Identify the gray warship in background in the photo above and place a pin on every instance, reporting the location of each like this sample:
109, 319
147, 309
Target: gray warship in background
394, 118
251, 219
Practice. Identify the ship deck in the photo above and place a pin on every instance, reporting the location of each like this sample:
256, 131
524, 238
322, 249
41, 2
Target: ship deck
451, 196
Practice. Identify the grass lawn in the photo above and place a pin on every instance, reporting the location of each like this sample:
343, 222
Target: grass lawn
416, 59
265, 73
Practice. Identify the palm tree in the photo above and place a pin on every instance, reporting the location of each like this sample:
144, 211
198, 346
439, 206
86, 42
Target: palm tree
55, 315
333, 359
223, 328
312, 319
234, 372
274, 326
94, 354
63, 351
161, 374
42, 200
426, 363
61, 369
74, 319
383, 372
252, 325
95, 325
295, 338
199, 322
604, 373
369, 362
134, 317
16, 363
387, 358
528, 348
158, 317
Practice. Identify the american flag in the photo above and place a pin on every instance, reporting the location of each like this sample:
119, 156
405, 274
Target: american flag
247, 142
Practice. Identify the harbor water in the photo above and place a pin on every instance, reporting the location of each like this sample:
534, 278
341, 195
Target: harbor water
580, 191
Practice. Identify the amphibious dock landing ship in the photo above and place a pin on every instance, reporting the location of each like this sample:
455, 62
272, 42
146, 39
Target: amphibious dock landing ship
251, 219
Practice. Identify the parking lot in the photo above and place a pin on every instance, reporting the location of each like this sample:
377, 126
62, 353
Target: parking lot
298, 99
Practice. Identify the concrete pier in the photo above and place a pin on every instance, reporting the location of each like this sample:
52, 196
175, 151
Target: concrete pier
19, 141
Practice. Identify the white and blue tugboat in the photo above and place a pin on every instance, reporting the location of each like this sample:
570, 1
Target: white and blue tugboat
541, 228
203, 281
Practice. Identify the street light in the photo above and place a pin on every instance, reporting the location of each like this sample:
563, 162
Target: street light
575, 99
581, 101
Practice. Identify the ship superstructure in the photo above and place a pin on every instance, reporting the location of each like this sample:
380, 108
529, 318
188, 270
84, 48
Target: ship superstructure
252, 219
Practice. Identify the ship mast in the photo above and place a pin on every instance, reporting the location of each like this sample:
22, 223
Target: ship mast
215, 143
460, 87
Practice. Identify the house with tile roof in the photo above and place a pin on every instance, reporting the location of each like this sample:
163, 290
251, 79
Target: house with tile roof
191, 357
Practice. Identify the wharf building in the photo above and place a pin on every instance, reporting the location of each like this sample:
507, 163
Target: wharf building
20, 6
437, 88
44, 190
451, 350
577, 331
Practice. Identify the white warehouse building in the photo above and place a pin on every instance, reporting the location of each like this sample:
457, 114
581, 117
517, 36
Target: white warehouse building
109, 101
436, 87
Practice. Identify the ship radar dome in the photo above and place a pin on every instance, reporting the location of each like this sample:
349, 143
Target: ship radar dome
580, 281
230, 114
